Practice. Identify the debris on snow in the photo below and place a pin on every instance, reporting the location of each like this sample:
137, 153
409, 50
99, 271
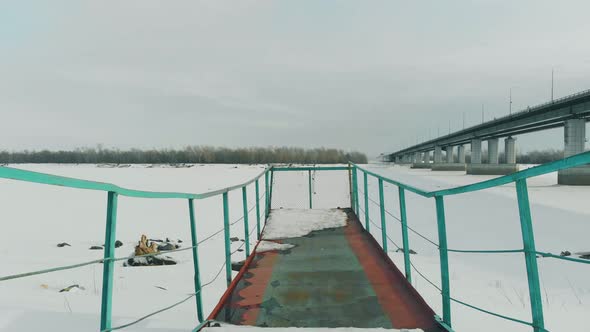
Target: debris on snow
63, 244
144, 247
96, 248
72, 287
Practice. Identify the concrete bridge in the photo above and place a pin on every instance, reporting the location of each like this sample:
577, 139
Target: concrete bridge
571, 112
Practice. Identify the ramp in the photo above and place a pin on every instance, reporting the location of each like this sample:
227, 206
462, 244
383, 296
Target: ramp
335, 277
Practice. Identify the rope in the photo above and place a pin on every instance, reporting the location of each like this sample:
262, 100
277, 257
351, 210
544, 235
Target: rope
114, 259
184, 300
173, 305
379, 228
460, 250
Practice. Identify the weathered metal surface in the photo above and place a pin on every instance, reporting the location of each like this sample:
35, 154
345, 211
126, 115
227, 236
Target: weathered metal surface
336, 277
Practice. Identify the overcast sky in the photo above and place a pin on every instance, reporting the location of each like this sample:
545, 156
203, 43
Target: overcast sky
363, 75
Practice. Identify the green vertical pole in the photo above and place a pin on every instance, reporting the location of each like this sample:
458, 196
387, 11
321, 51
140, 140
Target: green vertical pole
197, 275
405, 239
108, 264
528, 238
355, 191
382, 210
266, 197
246, 225
444, 259
226, 238
272, 177
257, 209
310, 190
367, 220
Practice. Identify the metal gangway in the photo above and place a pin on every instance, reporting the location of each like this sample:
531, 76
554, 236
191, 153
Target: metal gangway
393, 283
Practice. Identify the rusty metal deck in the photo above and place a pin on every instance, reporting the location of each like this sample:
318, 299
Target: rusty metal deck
336, 277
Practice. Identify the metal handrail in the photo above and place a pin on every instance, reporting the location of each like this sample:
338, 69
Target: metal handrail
529, 250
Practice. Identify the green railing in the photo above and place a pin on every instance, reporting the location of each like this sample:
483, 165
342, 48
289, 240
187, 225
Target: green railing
529, 250
113, 192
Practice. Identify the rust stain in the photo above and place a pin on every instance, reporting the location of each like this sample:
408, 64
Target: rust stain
392, 290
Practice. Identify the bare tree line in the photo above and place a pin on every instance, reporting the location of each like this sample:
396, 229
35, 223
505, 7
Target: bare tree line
190, 154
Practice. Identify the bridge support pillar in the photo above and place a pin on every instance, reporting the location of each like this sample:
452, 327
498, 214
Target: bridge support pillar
461, 154
575, 140
450, 165
493, 167
493, 151
510, 150
437, 155
476, 151
423, 160
417, 157
449, 150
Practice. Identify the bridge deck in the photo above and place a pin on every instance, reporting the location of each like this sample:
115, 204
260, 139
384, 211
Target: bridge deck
336, 277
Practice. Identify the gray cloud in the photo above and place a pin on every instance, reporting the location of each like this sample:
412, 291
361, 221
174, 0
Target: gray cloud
366, 75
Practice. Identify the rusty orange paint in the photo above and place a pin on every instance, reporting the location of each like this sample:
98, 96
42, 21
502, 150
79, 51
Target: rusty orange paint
398, 299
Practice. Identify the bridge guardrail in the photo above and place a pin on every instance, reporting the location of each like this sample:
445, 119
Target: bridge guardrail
113, 191
529, 250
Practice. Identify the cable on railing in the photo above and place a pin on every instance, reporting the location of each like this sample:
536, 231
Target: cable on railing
181, 301
497, 251
399, 220
114, 259
379, 228
467, 304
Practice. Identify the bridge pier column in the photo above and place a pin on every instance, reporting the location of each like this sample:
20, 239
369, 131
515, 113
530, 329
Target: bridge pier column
574, 135
422, 160
461, 154
493, 151
510, 150
449, 154
475, 151
450, 165
437, 155
417, 157
493, 167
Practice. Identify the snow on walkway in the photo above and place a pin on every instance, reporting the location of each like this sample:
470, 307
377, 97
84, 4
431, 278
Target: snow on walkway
287, 223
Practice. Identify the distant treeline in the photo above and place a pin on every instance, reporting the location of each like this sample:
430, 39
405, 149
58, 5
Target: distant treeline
539, 156
190, 155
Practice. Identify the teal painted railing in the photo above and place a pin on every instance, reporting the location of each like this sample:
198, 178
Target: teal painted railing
113, 192
529, 250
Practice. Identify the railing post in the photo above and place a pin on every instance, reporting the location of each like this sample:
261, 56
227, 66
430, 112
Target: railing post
366, 185
246, 225
310, 190
108, 264
197, 275
355, 191
266, 197
444, 259
257, 209
383, 221
528, 239
226, 239
405, 239
272, 177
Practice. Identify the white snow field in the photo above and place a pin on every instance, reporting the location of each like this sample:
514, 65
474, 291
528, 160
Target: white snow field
35, 218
